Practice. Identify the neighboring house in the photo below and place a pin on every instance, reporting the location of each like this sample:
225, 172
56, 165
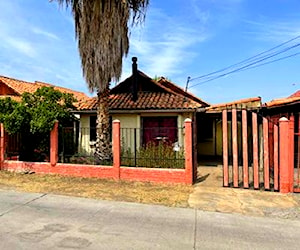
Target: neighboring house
209, 129
142, 103
288, 107
13, 88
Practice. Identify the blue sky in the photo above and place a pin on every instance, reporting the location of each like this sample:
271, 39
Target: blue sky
178, 39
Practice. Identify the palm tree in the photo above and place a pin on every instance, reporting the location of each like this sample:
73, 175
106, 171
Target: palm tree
101, 28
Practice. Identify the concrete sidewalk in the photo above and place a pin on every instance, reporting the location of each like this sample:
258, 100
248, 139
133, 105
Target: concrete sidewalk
209, 195
44, 221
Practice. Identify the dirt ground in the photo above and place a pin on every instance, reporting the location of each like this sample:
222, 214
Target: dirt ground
152, 193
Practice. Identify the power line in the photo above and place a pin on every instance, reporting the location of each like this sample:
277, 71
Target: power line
258, 56
276, 60
247, 67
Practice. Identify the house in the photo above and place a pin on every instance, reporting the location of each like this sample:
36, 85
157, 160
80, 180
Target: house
288, 107
13, 88
209, 129
141, 103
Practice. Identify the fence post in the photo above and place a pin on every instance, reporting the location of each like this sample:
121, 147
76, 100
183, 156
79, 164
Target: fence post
54, 145
284, 172
188, 145
2, 145
291, 151
116, 148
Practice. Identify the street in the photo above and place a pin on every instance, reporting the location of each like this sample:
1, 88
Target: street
46, 221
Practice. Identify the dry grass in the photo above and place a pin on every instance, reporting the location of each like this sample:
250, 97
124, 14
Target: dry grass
164, 194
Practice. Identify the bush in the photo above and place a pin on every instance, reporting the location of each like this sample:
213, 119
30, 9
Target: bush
153, 155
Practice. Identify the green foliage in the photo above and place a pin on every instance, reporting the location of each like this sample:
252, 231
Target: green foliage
153, 156
33, 118
37, 112
7, 106
156, 78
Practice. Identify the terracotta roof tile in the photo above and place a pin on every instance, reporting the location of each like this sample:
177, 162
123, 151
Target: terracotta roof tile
146, 101
254, 102
172, 86
296, 94
294, 98
21, 87
282, 101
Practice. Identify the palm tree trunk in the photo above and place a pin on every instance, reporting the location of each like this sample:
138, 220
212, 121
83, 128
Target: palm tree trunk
103, 142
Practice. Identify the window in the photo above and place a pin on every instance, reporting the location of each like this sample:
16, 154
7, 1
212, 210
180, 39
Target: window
157, 129
93, 126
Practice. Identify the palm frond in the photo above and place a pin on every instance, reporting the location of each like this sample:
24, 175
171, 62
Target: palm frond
102, 31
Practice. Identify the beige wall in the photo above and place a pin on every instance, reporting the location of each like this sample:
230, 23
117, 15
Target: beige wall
128, 123
84, 135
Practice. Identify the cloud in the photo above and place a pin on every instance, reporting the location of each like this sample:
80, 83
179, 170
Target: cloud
44, 33
163, 50
20, 45
274, 31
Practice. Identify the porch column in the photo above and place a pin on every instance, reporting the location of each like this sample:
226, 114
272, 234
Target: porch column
116, 149
188, 146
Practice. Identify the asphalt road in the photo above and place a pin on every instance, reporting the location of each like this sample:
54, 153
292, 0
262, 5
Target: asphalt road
40, 221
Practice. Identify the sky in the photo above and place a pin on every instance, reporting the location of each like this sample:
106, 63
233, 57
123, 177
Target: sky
179, 39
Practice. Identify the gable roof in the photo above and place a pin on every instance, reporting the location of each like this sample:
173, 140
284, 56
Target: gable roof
151, 95
248, 103
292, 99
296, 94
19, 87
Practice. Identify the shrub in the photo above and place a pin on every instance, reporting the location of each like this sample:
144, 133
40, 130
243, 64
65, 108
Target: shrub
153, 155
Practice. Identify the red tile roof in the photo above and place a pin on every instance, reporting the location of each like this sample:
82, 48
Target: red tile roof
294, 98
20, 87
168, 84
283, 101
152, 95
145, 101
254, 102
296, 94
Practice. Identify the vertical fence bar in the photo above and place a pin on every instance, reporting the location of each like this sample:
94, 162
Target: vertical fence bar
266, 153
195, 162
255, 151
284, 155
291, 150
235, 149
245, 149
276, 169
225, 148
135, 162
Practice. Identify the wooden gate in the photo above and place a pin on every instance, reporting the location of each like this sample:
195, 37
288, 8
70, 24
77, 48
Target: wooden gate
297, 154
253, 162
